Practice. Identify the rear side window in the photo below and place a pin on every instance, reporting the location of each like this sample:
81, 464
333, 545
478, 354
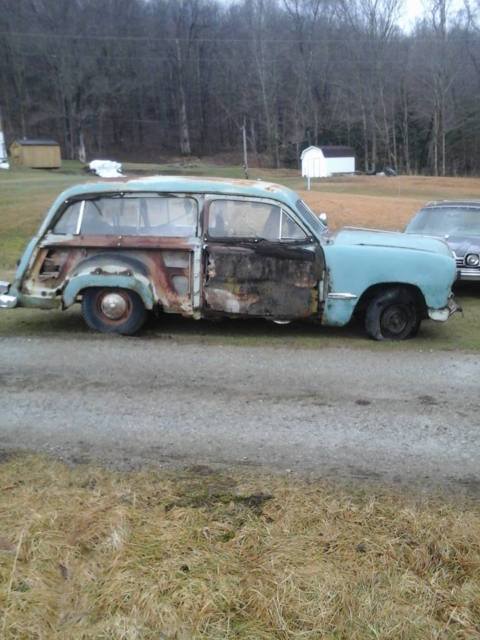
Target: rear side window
144, 216
69, 220
248, 219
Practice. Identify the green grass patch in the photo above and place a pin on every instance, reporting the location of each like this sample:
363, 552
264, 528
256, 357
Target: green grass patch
459, 333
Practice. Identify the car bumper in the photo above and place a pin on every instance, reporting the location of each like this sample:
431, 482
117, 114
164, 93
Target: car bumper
7, 301
442, 315
468, 275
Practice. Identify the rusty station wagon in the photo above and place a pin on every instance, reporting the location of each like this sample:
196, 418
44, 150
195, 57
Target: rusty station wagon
208, 248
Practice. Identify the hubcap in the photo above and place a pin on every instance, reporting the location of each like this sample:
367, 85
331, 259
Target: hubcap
113, 306
395, 319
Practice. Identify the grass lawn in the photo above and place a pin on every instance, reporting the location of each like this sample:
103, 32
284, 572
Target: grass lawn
90, 554
361, 200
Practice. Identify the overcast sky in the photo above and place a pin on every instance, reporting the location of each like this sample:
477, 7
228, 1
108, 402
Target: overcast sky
412, 9
415, 8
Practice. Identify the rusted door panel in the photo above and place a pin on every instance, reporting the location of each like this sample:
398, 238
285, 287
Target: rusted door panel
262, 279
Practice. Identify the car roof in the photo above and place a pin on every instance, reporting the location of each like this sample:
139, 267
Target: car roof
181, 184
454, 203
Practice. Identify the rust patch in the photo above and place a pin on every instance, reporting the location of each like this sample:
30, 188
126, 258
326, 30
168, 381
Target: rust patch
59, 259
260, 280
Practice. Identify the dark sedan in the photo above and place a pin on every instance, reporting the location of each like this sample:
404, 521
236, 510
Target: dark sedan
458, 223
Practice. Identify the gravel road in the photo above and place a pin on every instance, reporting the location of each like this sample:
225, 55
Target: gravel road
395, 416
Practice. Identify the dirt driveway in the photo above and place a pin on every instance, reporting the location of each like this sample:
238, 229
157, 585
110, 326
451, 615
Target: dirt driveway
339, 413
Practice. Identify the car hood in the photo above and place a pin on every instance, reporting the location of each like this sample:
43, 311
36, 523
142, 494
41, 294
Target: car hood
393, 239
462, 245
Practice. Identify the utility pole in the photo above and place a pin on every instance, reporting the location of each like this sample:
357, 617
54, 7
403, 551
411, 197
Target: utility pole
245, 154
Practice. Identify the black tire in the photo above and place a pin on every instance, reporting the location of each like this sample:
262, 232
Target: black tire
126, 319
392, 315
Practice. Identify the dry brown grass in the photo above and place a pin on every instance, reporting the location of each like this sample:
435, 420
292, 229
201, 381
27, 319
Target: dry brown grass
383, 203
91, 554
376, 212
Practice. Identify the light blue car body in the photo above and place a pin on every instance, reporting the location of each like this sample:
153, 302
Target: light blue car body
356, 261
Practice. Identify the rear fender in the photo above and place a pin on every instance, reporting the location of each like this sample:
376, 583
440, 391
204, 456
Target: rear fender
103, 278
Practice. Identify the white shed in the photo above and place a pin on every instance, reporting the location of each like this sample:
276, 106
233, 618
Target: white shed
3, 148
321, 162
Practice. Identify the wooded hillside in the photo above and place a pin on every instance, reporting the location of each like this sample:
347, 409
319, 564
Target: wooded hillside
149, 79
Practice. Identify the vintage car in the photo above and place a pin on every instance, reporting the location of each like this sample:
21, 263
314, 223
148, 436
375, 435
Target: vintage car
458, 223
209, 248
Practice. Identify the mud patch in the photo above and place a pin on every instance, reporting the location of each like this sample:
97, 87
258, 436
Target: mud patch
428, 400
208, 499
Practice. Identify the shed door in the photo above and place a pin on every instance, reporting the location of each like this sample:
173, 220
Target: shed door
258, 261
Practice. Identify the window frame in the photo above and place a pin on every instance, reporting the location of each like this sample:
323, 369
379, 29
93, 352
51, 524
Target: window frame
119, 195
284, 210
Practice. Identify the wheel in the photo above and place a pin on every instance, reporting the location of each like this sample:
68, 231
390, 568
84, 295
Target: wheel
113, 310
392, 315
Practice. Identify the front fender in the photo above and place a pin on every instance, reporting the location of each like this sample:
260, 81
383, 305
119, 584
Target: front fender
354, 269
135, 282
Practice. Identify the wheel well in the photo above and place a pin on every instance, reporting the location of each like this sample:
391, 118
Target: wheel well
75, 289
376, 289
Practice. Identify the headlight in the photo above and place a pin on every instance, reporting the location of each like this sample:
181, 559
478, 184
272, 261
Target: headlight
472, 260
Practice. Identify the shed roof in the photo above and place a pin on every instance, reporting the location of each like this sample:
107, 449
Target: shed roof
36, 142
337, 152
332, 151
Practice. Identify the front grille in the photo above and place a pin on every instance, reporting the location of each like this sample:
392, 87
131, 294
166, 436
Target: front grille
460, 262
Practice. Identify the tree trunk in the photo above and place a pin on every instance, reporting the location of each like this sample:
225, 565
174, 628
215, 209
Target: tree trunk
406, 137
82, 152
365, 140
185, 148
435, 142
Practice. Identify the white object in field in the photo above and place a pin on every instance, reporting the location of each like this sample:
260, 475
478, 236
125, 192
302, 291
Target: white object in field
325, 161
106, 168
3, 148
4, 165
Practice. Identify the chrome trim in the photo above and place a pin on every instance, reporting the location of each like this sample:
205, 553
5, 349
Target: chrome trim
8, 302
442, 315
342, 296
80, 218
4, 286
469, 273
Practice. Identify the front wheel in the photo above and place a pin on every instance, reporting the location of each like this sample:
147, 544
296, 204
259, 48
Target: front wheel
392, 315
113, 310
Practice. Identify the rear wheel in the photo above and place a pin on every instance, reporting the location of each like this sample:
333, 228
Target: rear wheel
392, 315
113, 310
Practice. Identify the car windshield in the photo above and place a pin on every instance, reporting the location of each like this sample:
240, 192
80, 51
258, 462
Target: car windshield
446, 221
312, 219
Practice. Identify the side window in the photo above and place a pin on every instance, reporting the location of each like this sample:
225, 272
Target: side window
69, 220
170, 216
247, 219
290, 229
144, 216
